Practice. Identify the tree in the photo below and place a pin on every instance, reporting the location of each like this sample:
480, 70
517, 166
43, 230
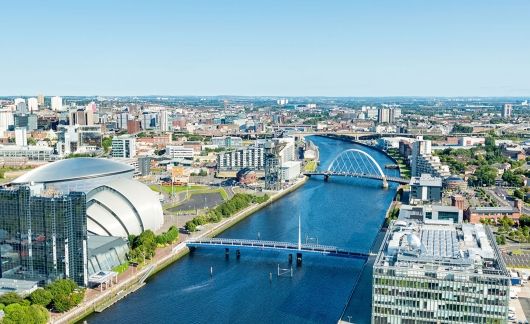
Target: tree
22, 314
512, 178
65, 294
500, 239
41, 297
486, 175
106, 143
10, 298
518, 194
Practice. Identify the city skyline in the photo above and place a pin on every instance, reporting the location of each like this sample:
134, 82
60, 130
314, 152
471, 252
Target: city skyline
267, 49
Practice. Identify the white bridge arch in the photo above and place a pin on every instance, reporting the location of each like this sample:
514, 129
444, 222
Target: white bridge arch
344, 162
359, 164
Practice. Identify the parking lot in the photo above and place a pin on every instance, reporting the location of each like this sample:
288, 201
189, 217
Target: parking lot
517, 260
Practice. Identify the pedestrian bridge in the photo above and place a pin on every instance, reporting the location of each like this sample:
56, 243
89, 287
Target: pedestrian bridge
359, 164
227, 243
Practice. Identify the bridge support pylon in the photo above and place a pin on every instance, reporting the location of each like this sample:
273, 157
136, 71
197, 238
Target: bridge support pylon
385, 183
238, 253
227, 252
298, 259
326, 177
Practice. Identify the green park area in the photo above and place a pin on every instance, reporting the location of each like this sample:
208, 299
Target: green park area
403, 168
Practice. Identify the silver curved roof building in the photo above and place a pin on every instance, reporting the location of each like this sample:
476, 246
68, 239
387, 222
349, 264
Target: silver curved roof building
76, 174
123, 207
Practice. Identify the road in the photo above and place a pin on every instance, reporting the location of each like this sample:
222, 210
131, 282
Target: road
498, 193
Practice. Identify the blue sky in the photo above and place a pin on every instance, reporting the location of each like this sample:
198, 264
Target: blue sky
273, 47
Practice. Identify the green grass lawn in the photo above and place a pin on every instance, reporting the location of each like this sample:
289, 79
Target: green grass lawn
121, 268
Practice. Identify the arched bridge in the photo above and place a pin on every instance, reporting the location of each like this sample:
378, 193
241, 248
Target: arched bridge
359, 164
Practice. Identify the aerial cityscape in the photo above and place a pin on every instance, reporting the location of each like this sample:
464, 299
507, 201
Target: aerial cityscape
267, 162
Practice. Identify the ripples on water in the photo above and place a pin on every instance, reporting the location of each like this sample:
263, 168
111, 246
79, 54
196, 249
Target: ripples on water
343, 212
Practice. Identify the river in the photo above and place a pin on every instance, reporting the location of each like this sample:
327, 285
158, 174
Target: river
342, 212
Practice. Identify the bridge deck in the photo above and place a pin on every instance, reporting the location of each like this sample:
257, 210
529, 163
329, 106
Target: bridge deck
274, 245
358, 175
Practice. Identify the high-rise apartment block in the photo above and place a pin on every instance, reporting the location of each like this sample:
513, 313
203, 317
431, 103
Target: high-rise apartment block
439, 273
165, 122
507, 111
423, 162
388, 115
251, 157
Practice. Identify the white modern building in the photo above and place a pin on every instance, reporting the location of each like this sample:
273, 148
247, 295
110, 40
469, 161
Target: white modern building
439, 273
33, 104
165, 121
123, 147
57, 103
178, 151
290, 170
250, 157
423, 162
21, 136
30, 152
19, 100
6, 119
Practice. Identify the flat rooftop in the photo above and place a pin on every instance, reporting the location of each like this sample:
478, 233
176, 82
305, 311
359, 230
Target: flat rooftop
500, 209
455, 248
426, 180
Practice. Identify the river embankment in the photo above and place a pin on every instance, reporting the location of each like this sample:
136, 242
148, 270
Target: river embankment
165, 257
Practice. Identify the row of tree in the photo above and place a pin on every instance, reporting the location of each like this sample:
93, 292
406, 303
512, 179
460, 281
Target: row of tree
228, 208
59, 296
143, 246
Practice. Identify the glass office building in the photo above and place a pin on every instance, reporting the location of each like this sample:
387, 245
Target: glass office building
439, 273
43, 238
